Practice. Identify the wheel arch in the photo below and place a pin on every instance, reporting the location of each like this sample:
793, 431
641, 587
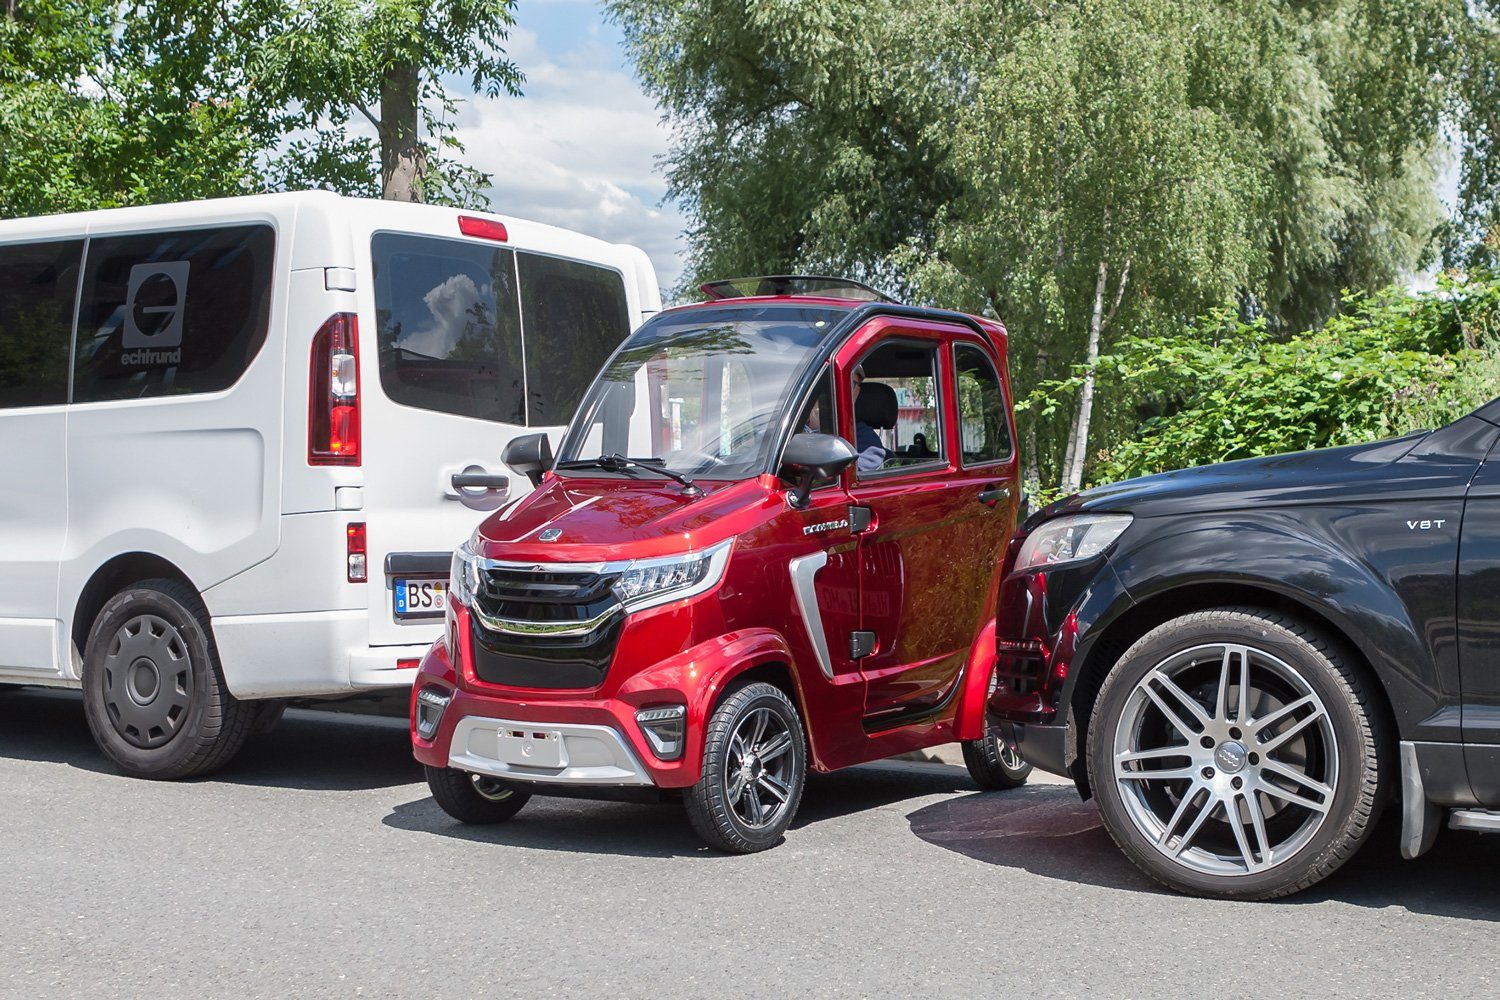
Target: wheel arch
1123, 631
109, 579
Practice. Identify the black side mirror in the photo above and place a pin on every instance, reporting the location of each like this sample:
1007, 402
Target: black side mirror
529, 455
810, 457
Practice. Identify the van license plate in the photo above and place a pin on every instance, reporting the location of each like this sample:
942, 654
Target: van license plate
420, 598
531, 747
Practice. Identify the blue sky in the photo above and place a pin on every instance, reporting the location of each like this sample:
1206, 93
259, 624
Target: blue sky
579, 149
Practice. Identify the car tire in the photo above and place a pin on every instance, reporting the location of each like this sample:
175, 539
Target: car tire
153, 691
993, 765
1270, 792
754, 767
474, 798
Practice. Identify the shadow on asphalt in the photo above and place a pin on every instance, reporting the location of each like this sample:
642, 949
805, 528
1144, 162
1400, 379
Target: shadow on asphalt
322, 751
1046, 830
662, 830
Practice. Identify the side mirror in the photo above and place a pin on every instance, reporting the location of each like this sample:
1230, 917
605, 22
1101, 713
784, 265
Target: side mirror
529, 455
810, 457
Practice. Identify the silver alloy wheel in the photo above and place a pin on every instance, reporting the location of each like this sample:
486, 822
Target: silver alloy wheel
1225, 759
757, 777
148, 681
1009, 756
489, 788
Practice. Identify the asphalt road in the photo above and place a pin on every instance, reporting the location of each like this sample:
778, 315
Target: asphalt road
316, 865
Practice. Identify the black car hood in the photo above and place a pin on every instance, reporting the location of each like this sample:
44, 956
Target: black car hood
1302, 477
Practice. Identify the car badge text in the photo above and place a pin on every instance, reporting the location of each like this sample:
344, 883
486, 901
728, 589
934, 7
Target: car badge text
813, 529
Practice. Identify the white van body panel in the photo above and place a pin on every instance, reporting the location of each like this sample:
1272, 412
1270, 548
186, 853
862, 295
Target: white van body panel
219, 485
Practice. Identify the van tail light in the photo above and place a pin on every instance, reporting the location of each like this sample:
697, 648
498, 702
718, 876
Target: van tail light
485, 229
333, 393
356, 552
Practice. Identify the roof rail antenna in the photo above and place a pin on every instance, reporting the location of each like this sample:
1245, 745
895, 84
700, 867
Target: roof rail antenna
793, 284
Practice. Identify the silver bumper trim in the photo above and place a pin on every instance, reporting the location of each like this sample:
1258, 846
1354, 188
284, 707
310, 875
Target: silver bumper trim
591, 755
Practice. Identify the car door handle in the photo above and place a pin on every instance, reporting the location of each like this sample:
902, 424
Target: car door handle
481, 481
994, 495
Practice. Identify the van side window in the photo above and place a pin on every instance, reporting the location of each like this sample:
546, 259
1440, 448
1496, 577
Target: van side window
162, 314
575, 315
449, 329
38, 282
983, 427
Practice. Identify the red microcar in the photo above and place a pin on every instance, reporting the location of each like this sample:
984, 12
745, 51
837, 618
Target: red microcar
770, 540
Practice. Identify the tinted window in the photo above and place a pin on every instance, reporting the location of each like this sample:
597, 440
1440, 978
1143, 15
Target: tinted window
897, 416
38, 282
981, 407
447, 326
575, 315
169, 313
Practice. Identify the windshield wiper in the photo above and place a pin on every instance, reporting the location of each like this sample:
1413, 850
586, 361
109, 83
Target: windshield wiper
619, 463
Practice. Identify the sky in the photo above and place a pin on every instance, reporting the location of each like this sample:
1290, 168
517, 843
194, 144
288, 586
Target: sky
579, 149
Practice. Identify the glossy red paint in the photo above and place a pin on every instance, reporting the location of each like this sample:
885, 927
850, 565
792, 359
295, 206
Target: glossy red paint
924, 578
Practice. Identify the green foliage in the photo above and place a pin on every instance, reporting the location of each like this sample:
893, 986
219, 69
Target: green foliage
1224, 388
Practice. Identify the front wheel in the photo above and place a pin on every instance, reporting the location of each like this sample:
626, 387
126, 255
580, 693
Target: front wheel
994, 765
474, 798
754, 766
1234, 754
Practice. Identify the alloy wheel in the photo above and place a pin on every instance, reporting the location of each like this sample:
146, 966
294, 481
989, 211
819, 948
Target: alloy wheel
757, 782
1225, 759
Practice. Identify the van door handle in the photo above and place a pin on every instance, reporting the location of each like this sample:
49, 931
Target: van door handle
481, 481
994, 495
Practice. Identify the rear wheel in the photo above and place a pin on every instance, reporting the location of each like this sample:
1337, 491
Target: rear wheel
1234, 754
754, 766
153, 692
994, 765
474, 798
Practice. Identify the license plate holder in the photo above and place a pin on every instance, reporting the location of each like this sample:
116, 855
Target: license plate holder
414, 598
530, 747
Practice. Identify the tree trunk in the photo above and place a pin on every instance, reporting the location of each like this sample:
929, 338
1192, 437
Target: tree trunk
1078, 442
403, 164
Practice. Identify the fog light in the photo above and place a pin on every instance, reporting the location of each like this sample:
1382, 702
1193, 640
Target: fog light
432, 702
665, 728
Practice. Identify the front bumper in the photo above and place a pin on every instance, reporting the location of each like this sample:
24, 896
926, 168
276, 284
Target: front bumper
595, 756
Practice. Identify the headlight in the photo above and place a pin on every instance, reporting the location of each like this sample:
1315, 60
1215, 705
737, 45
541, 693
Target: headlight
1071, 539
645, 583
463, 578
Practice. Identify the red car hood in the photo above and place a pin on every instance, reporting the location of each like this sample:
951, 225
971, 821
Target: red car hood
609, 519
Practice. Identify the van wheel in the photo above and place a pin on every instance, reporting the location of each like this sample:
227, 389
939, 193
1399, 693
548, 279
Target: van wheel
153, 692
754, 766
474, 798
993, 765
1235, 754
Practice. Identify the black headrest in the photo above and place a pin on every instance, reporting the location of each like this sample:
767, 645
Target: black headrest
876, 405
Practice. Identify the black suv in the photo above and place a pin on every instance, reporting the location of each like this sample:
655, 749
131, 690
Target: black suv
1246, 662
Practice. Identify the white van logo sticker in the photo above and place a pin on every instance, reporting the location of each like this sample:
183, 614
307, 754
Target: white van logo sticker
154, 303
550, 535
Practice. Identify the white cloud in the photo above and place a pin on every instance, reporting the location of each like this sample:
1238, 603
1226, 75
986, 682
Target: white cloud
579, 150
448, 305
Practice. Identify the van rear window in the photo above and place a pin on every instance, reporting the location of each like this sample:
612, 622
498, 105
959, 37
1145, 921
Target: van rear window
488, 332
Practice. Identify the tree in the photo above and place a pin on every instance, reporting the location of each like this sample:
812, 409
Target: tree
1016, 157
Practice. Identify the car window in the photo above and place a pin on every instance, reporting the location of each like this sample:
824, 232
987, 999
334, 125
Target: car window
573, 317
448, 326
162, 314
897, 415
38, 285
984, 429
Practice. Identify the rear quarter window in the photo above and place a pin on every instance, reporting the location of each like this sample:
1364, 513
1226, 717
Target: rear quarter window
163, 314
38, 283
575, 314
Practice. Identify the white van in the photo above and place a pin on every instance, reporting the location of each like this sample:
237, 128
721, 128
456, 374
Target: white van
240, 438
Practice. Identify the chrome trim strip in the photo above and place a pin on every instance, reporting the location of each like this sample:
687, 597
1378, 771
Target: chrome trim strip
804, 570
521, 626
1483, 820
592, 755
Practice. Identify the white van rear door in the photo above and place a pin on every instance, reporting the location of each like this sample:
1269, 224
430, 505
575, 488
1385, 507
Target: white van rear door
466, 344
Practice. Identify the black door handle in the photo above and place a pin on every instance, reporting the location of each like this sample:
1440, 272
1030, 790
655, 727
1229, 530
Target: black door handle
994, 495
481, 480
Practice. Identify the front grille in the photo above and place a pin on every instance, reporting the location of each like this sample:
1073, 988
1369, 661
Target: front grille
540, 598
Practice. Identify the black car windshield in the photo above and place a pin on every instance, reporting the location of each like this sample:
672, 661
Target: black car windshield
700, 392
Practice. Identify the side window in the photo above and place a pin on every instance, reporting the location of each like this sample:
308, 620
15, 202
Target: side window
574, 316
38, 282
981, 407
897, 415
448, 327
162, 314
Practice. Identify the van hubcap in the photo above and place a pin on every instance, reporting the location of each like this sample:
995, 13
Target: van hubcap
1225, 759
758, 778
148, 681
